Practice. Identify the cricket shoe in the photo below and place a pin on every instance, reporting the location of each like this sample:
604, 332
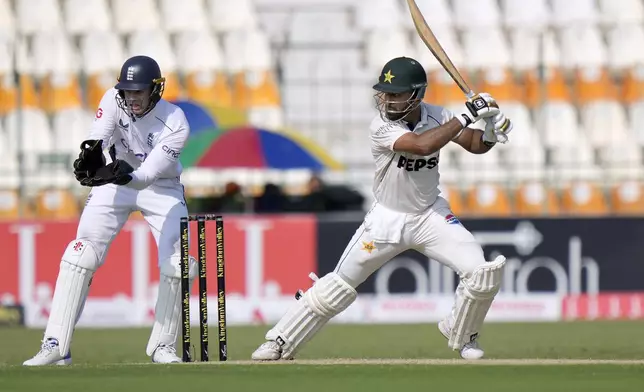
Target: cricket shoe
49, 355
470, 350
268, 351
165, 354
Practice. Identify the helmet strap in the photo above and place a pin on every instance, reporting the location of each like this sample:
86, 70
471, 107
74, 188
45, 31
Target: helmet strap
413, 102
154, 98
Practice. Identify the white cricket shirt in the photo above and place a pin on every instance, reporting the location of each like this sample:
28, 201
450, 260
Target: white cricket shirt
406, 182
151, 144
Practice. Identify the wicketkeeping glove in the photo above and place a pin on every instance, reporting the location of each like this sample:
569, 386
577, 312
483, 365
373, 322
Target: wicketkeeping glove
479, 107
117, 172
89, 160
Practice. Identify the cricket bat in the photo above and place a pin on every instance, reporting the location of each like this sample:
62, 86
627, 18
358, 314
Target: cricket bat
430, 40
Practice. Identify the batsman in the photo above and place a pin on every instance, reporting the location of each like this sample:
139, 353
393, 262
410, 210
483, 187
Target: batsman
146, 135
408, 213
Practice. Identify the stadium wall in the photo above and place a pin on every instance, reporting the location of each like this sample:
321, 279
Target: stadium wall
558, 269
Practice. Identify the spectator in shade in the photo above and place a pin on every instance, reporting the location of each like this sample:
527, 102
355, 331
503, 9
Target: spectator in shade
315, 200
272, 200
232, 200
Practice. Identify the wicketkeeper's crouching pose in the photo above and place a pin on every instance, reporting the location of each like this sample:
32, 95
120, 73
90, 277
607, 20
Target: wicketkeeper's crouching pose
408, 214
147, 135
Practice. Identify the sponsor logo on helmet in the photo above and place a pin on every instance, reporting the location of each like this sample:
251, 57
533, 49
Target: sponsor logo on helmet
130, 73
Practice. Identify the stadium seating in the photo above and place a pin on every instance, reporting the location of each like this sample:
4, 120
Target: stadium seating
488, 200
628, 198
583, 198
379, 15
183, 16
621, 12
133, 16
567, 72
228, 16
56, 204
203, 68
535, 199
9, 163
82, 16
57, 67
38, 15
530, 16
156, 44
455, 198
9, 205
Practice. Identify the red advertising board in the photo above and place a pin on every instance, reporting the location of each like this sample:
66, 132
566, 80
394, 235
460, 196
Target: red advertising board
265, 257
604, 306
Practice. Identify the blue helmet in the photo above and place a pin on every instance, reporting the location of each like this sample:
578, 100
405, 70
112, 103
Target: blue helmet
140, 73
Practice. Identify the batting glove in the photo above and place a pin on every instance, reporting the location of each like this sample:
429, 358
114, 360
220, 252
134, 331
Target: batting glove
479, 107
497, 129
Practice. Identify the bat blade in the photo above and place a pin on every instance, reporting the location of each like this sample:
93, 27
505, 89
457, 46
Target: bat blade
430, 40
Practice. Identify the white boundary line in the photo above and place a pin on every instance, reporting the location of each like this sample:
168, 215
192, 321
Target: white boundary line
418, 362
380, 362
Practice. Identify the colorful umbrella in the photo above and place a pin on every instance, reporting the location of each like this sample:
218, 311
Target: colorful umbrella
254, 148
197, 116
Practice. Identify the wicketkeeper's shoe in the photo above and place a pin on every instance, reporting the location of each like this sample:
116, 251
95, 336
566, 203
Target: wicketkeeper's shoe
470, 350
165, 354
268, 351
49, 355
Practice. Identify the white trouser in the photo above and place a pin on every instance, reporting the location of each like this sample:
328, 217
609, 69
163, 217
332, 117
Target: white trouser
435, 232
109, 206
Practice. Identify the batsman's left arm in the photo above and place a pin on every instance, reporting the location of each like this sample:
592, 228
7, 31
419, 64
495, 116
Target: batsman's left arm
480, 142
162, 159
473, 140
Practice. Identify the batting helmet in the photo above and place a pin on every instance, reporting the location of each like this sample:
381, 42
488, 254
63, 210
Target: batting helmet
400, 75
140, 73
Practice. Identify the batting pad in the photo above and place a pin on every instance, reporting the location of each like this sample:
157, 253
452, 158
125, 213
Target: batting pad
479, 292
77, 267
329, 296
167, 311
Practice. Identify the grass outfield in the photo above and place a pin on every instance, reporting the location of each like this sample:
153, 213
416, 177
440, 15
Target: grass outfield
588, 356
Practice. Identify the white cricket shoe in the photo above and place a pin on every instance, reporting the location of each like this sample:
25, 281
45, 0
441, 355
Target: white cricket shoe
268, 351
165, 354
470, 350
49, 355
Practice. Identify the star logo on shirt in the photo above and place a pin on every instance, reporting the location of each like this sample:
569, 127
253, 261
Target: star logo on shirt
368, 246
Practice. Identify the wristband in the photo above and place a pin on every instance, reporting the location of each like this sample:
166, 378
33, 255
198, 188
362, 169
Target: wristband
464, 120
